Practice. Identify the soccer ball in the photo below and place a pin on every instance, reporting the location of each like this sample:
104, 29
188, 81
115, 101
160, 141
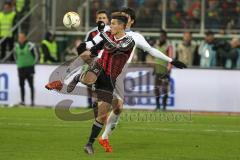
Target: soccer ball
71, 20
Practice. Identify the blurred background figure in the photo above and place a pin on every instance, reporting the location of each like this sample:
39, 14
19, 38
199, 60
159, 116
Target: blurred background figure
213, 14
174, 14
186, 49
157, 15
147, 14
71, 51
232, 56
192, 10
207, 51
22, 7
94, 9
229, 53
238, 61
162, 70
7, 20
25, 60
49, 49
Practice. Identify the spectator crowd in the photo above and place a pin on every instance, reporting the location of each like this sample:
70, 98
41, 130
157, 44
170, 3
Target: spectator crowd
219, 14
12, 11
208, 53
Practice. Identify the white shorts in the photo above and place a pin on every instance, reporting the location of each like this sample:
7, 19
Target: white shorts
118, 92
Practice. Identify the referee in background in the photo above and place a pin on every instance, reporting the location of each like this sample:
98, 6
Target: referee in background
25, 60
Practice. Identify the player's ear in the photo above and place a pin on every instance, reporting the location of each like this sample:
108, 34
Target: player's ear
124, 26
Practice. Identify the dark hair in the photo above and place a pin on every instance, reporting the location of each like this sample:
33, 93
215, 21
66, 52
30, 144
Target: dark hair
209, 33
102, 12
120, 17
48, 35
130, 12
163, 32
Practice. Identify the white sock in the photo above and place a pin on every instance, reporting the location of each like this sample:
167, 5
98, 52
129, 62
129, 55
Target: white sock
111, 124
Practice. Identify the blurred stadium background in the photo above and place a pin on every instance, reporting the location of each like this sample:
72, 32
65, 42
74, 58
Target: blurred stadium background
210, 84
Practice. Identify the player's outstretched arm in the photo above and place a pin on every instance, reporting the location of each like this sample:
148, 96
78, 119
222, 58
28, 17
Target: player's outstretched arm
144, 45
176, 63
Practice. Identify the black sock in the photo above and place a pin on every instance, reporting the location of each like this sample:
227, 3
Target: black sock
96, 129
95, 109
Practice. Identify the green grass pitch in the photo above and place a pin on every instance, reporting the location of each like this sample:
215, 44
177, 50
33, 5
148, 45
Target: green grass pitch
37, 134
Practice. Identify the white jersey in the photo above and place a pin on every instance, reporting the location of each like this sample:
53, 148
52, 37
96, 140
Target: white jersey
141, 43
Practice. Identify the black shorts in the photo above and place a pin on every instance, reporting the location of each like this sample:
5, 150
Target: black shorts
26, 71
104, 87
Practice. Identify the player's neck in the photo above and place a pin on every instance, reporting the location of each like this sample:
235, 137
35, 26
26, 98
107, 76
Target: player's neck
119, 34
128, 28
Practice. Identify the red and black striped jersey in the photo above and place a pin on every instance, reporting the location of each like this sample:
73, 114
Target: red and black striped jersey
91, 35
115, 57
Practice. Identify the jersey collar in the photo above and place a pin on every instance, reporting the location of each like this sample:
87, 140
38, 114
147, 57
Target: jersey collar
120, 38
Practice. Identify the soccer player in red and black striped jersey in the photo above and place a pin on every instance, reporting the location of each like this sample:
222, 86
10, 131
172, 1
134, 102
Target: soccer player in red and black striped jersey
117, 48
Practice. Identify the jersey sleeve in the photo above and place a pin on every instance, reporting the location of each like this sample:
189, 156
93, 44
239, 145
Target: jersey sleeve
144, 45
97, 39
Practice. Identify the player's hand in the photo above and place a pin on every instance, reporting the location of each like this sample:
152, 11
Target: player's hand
81, 48
94, 51
178, 64
101, 26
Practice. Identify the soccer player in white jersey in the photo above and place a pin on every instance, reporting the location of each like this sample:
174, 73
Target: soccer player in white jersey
117, 103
